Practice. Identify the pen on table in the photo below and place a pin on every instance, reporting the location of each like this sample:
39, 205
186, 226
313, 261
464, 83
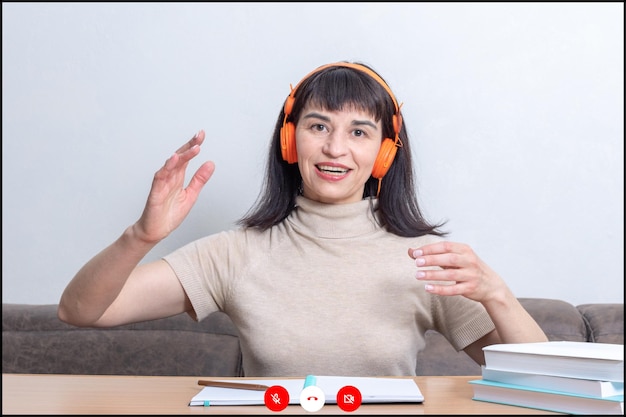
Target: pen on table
234, 385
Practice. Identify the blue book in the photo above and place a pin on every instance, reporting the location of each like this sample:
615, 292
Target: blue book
542, 399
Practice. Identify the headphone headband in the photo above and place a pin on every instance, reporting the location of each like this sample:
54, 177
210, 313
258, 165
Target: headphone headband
359, 67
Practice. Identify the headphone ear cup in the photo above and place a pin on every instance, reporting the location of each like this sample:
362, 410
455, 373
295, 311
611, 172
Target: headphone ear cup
385, 158
288, 143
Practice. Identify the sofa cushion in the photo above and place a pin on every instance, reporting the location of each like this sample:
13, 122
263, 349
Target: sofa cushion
605, 322
34, 340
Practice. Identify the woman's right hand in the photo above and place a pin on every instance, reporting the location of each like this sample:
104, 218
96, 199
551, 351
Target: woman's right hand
169, 202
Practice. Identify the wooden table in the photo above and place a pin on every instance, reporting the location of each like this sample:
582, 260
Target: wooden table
117, 394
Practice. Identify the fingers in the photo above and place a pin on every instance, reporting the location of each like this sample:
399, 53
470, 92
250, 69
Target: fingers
200, 178
452, 275
186, 152
441, 261
439, 248
442, 254
197, 139
449, 281
453, 289
452, 269
174, 168
177, 162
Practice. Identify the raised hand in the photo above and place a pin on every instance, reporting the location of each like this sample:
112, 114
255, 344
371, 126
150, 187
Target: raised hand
169, 201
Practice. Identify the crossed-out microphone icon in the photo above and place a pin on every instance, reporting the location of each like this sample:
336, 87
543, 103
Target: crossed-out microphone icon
276, 398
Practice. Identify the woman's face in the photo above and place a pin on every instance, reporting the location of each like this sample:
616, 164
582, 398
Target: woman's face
336, 153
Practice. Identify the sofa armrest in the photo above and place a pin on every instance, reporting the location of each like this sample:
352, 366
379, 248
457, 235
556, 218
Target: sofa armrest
605, 322
558, 319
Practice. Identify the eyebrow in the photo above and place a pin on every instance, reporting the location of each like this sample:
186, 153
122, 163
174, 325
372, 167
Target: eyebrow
327, 119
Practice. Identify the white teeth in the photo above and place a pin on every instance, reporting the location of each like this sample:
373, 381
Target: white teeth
332, 170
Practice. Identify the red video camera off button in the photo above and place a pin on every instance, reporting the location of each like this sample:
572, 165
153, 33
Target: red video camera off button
276, 398
349, 398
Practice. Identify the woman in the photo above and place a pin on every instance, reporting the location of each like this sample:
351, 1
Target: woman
320, 277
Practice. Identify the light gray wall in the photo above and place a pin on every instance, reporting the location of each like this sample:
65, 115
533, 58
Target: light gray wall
515, 111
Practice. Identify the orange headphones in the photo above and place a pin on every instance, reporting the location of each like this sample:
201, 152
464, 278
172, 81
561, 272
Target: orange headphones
388, 148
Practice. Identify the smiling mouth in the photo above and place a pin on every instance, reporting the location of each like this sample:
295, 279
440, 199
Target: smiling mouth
331, 170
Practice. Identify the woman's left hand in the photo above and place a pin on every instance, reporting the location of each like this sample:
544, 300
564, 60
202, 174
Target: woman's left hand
462, 273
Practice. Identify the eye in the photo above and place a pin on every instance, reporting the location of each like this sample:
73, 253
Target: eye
359, 133
318, 127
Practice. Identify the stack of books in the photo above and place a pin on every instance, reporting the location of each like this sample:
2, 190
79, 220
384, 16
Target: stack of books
561, 376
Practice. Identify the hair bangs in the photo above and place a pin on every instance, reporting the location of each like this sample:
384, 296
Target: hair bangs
343, 88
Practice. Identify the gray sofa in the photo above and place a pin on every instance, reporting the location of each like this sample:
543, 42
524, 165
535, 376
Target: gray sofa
35, 341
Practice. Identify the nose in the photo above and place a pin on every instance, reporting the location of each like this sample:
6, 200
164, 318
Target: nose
336, 145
